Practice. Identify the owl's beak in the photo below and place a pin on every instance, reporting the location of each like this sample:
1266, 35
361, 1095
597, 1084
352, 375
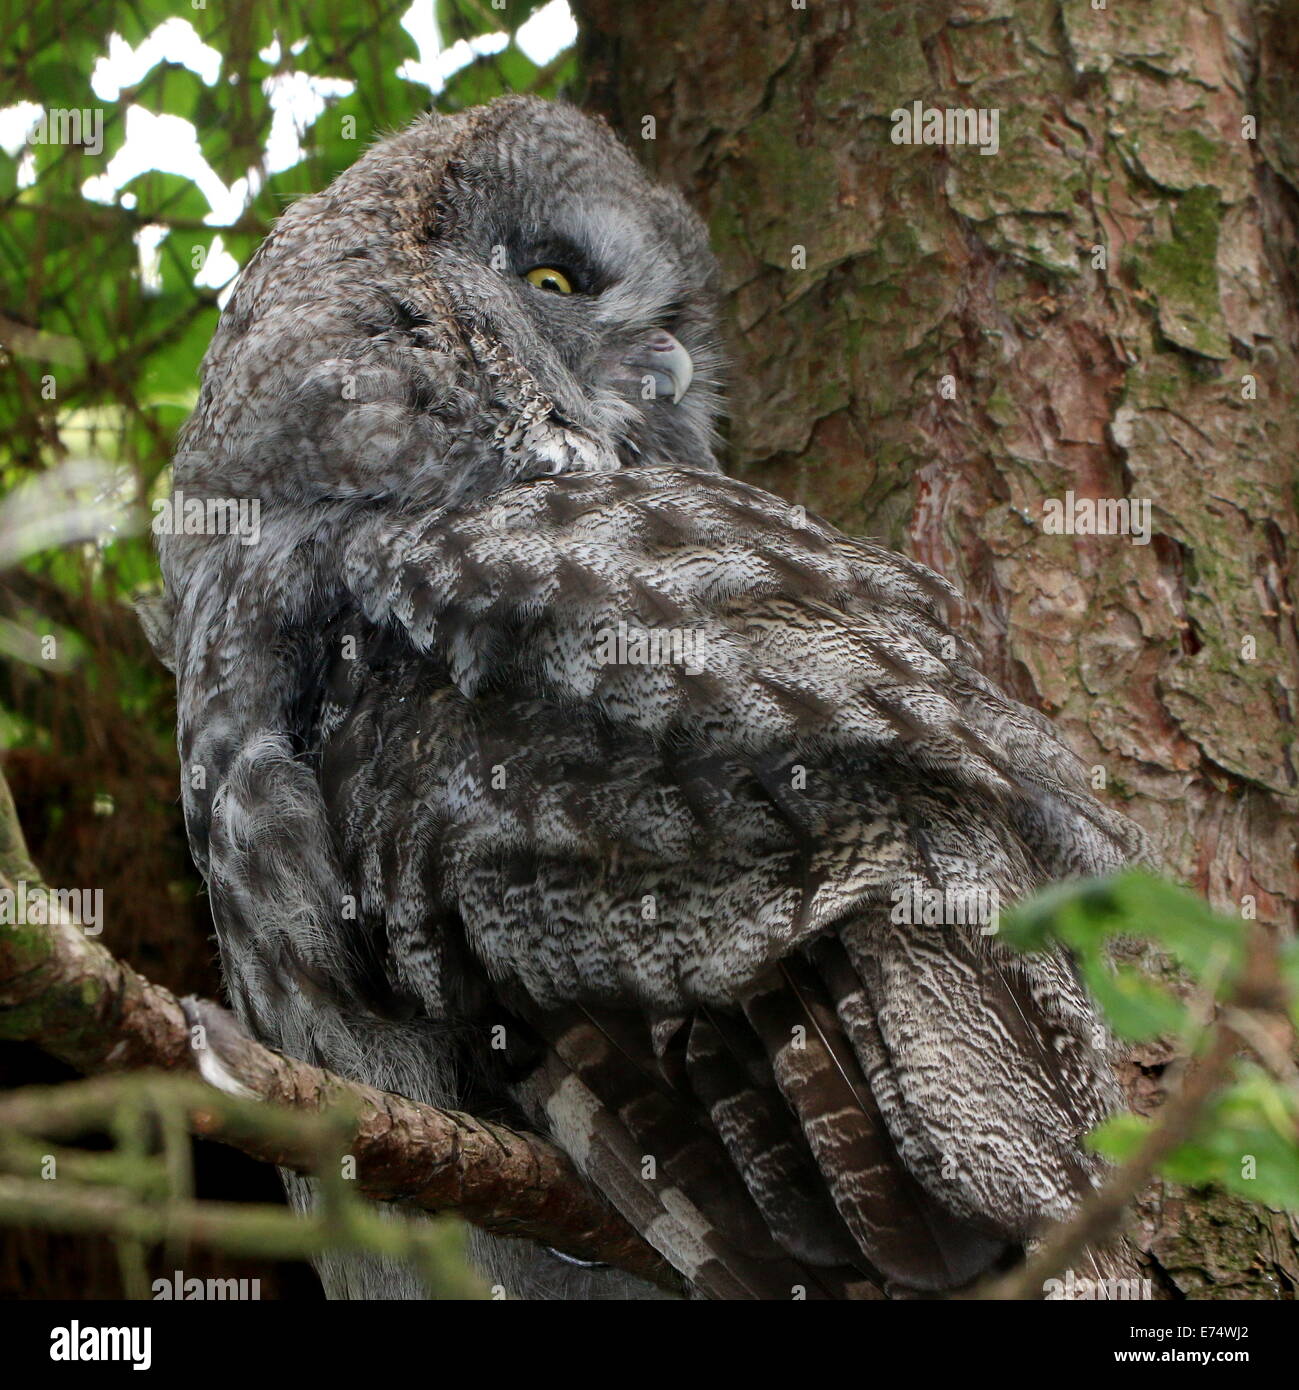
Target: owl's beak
662, 358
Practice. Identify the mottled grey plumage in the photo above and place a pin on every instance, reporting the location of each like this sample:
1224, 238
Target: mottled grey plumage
433, 815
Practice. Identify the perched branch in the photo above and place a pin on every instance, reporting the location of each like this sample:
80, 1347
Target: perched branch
66, 993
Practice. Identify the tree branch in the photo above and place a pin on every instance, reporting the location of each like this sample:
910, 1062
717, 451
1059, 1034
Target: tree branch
70, 996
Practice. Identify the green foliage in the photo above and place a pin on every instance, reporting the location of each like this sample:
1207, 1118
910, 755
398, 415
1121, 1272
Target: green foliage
1247, 1137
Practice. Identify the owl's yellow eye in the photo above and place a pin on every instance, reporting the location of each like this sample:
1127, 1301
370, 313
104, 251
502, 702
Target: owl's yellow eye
546, 277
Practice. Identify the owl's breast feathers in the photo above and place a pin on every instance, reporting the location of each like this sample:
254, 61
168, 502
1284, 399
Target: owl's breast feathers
662, 775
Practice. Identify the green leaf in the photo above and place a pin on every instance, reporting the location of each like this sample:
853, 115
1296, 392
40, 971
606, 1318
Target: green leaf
56, 82
166, 197
1084, 915
171, 90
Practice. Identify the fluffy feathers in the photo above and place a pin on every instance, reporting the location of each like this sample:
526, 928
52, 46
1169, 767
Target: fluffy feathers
523, 723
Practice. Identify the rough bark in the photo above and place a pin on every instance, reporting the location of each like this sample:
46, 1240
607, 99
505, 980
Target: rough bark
1107, 306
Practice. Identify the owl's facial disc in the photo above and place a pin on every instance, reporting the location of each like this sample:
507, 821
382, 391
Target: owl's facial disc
610, 308
554, 245
661, 362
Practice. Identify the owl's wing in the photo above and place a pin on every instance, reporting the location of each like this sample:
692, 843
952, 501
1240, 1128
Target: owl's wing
679, 748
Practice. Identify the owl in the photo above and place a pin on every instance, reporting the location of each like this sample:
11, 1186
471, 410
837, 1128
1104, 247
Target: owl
538, 769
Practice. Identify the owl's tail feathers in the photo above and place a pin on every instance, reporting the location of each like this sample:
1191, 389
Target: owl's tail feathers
943, 1085
907, 1237
645, 1145
988, 1066
893, 1112
607, 1153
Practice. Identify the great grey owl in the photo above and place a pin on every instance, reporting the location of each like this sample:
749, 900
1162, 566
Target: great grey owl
538, 769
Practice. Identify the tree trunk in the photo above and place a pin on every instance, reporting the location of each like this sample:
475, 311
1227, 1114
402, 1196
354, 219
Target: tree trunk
930, 343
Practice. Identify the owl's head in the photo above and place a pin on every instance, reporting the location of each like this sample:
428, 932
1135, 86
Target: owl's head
482, 297
550, 238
